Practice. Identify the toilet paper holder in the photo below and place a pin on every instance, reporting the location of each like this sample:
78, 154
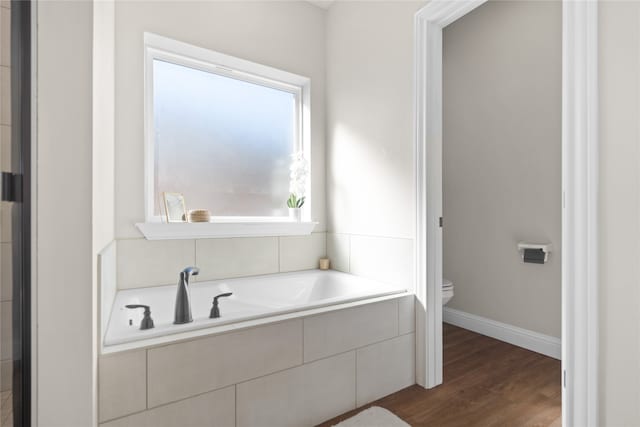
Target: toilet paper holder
525, 247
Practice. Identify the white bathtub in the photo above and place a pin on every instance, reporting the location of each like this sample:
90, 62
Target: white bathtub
253, 298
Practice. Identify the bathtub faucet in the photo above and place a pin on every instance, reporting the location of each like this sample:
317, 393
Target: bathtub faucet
182, 312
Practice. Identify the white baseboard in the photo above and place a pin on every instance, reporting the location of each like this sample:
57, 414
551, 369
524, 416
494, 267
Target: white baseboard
543, 344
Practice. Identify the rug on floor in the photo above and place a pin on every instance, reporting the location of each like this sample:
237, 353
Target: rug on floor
373, 417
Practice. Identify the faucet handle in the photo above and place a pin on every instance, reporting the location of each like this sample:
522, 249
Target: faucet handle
147, 321
215, 299
215, 311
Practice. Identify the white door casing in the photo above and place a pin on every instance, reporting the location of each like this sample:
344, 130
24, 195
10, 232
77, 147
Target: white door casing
579, 189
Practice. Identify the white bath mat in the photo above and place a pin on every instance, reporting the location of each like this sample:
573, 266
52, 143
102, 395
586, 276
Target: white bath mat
373, 417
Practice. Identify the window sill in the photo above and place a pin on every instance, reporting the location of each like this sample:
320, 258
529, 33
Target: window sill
216, 230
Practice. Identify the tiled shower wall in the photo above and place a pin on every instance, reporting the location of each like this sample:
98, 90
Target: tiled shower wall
142, 263
6, 276
387, 259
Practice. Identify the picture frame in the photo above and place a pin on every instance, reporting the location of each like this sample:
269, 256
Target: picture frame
174, 207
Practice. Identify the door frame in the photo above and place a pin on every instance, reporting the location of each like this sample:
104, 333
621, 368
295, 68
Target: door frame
579, 200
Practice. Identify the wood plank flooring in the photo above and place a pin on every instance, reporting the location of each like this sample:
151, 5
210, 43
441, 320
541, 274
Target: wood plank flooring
486, 383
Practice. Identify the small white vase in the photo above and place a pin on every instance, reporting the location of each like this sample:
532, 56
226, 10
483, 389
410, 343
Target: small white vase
295, 214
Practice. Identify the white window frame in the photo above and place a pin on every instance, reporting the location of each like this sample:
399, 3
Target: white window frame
165, 49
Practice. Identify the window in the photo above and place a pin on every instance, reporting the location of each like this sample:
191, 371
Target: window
221, 131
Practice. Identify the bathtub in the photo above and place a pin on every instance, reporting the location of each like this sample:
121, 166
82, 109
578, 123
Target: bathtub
259, 297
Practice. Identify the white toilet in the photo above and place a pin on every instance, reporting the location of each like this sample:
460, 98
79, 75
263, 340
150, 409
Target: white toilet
447, 291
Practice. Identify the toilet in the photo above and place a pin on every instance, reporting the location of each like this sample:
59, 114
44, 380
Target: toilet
447, 291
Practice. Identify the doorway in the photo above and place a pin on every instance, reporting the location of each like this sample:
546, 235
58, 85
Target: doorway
579, 200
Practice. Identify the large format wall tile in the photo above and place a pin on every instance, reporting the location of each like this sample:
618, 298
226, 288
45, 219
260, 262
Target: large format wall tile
122, 384
302, 252
385, 368
6, 233
5, 146
303, 396
5, 37
107, 272
216, 408
6, 272
236, 257
338, 249
185, 369
381, 258
6, 371
339, 331
6, 322
406, 314
150, 263
5, 96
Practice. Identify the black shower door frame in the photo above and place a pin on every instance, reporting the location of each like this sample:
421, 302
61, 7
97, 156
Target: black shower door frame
21, 207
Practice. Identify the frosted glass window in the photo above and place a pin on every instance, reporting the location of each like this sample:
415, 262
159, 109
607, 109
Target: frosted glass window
224, 143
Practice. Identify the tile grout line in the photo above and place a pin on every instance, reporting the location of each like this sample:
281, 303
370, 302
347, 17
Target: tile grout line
195, 253
356, 379
374, 236
162, 405
398, 314
349, 254
279, 260
146, 357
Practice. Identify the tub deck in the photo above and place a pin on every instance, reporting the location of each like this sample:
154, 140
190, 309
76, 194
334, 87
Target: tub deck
255, 300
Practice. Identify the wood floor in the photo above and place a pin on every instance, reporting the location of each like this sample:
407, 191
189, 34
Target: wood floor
486, 383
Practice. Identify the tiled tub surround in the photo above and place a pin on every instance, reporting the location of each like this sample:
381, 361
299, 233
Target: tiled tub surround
293, 373
388, 259
257, 298
142, 263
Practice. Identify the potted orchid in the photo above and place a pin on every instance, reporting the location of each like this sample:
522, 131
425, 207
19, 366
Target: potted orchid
299, 170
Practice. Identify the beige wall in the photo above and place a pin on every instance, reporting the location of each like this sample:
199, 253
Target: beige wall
370, 188
619, 64
502, 161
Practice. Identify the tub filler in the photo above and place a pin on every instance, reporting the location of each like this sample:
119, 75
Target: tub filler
255, 300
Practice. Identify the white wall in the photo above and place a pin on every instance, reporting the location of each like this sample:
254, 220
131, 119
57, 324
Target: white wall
65, 356
285, 35
103, 124
362, 44
619, 64
370, 188
502, 161
64, 360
